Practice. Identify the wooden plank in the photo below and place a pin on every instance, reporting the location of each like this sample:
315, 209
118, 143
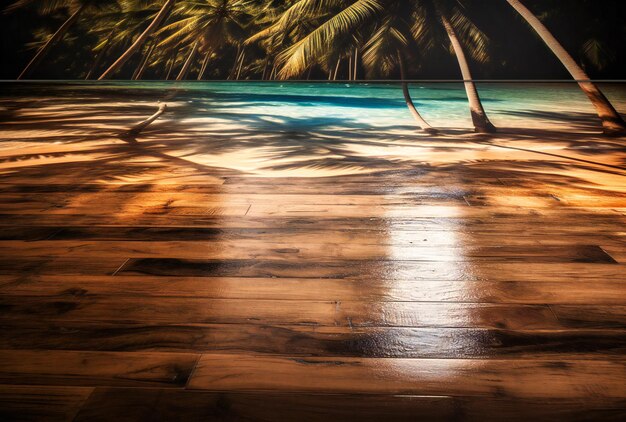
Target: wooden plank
41, 403
377, 270
279, 312
584, 316
88, 200
12, 265
590, 408
406, 211
76, 368
387, 342
548, 200
562, 291
382, 236
27, 233
158, 405
454, 377
502, 223
324, 251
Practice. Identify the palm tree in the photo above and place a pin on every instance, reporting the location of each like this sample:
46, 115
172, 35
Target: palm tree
426, 18
205, 26
612, 122
451, 16
160, 17
116, 28
76, 8
324, 33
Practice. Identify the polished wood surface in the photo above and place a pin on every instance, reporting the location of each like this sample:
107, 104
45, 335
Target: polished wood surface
149, 286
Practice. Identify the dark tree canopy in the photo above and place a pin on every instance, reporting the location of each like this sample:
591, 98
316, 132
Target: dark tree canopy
594, 32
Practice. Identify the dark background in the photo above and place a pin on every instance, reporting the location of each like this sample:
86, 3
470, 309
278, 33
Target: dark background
517, 53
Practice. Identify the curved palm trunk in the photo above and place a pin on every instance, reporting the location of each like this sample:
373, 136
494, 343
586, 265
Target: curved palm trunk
43, 51
185, 69
409, 102
479, 116
156, 22
612, 122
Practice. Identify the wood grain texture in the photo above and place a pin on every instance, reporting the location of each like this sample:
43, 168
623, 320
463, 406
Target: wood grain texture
41, 403
44, 367
471, 283
456, 377
559, 291
158, 405
276, 312
379, 342
269, 251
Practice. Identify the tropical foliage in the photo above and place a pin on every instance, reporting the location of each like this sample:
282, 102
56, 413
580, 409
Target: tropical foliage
319, 39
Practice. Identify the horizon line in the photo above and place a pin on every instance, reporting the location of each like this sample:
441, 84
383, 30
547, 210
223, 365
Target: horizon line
335, 81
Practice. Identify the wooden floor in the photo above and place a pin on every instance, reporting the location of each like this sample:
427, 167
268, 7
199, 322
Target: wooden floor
137, 288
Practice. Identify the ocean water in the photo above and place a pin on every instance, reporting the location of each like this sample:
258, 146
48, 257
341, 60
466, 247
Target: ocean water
344, 105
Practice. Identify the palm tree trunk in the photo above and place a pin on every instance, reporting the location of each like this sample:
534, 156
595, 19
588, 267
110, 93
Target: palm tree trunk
205, 64
100, 57
409, 102
337, 69
350, 67
356, 62
171, 66
243, 56
146, 60
479, 116
267, 63
43, 51
612, 122
234, 68
273, 72
185, 69
154, 25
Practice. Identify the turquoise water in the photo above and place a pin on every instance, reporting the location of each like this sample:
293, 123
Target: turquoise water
347, 105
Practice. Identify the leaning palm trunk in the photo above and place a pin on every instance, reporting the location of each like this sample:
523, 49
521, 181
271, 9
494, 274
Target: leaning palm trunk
612, 122
337, 69
43, 51
205, 64
350, 67
171, 65
146, 62
185, 69
479, 116
409, 102
231, 74
265, 66
100, 57
243, 56
154, 25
